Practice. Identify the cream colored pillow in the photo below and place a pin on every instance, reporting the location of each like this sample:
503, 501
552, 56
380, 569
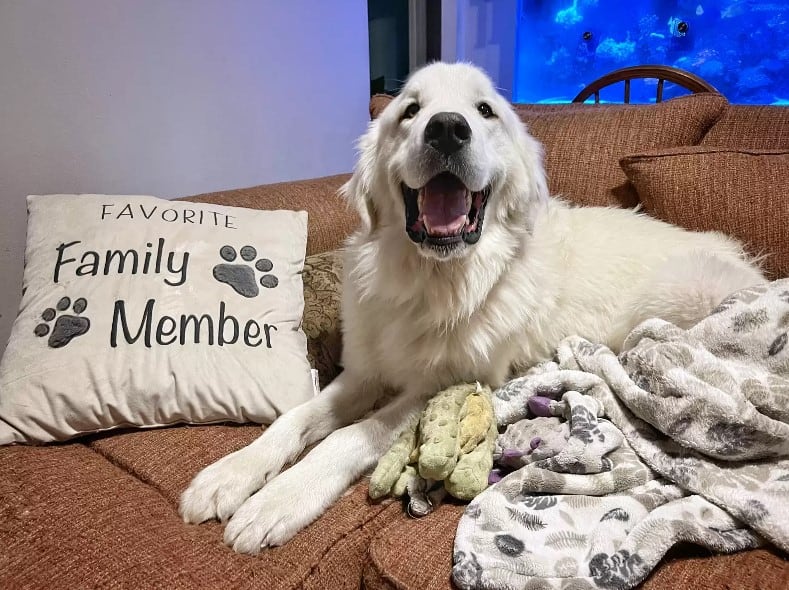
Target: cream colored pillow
138, 311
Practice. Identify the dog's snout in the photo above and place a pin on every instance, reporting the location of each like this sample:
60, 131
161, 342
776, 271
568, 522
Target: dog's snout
447, 132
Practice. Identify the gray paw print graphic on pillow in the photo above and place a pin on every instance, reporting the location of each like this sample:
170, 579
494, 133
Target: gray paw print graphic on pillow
66, 326
241, 275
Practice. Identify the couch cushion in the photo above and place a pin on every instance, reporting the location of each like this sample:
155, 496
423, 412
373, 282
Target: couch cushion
71, 519
167, 460
740, 192
759, 127
583, 143
106, 514
691, 567
330, 218
416, 554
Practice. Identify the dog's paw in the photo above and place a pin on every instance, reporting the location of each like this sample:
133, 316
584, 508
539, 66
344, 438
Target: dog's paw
219, 489
274, 515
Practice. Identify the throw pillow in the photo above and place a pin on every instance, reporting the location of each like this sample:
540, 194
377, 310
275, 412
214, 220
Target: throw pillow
740, 192
138, 311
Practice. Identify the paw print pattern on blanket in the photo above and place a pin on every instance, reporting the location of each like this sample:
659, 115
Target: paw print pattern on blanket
703, 419
605, 542
590, 441
615, 570
777, 345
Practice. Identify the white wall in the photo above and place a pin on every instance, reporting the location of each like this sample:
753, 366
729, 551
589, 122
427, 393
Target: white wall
171, 97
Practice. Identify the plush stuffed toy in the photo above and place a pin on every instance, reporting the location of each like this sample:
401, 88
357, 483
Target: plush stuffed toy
451, 443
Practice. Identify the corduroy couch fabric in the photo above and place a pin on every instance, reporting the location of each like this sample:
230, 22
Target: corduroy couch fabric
101, 512
103, 515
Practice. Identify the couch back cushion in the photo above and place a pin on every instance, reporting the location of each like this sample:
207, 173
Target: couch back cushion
584, 143
740, 192
330, 219
751, 127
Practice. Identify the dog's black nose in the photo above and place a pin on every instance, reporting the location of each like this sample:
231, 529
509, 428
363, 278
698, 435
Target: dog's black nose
447, 132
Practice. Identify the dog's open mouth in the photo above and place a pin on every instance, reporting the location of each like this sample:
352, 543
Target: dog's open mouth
444, 212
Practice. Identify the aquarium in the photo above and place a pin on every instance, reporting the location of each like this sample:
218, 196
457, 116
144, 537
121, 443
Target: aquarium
739, 46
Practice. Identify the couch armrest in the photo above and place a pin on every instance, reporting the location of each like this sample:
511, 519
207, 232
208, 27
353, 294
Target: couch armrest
330, 219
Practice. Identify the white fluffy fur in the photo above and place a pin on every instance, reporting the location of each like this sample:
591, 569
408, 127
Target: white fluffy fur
417, 320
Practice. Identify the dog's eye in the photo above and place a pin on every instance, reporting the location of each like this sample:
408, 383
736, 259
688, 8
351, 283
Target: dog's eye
485, 110
410, 111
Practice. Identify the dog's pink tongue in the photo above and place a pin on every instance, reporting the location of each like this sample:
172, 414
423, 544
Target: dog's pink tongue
444, 207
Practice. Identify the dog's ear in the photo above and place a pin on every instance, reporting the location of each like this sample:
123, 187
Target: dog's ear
531, 156
358, 190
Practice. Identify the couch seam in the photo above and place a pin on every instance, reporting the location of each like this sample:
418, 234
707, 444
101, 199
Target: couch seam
721, 113
299, 585
315, 565
143, 481
697, 150
381, 571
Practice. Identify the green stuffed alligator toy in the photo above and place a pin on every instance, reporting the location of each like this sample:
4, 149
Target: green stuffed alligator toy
448, 449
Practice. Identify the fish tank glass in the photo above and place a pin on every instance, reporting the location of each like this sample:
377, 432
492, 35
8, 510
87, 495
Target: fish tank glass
739, 46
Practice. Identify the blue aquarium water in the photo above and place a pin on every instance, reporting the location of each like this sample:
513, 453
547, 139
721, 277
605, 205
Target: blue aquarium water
739, 46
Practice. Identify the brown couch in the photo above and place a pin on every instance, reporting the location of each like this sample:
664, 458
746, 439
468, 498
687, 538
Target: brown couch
102, 511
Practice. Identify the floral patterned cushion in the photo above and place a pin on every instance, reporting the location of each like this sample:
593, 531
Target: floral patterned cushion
322, 291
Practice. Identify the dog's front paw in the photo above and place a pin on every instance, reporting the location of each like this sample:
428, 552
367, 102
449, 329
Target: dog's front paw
274, 515
219, 489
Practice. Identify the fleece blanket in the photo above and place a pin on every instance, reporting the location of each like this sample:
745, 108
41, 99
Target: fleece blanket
610, 460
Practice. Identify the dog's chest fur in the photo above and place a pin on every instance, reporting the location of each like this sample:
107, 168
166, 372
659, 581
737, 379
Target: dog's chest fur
425, 324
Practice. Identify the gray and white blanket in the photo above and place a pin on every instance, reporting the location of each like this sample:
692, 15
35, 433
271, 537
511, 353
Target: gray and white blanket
682, 437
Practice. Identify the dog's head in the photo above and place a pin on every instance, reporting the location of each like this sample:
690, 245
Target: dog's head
447, 162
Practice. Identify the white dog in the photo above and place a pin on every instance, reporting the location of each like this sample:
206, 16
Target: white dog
464, 269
